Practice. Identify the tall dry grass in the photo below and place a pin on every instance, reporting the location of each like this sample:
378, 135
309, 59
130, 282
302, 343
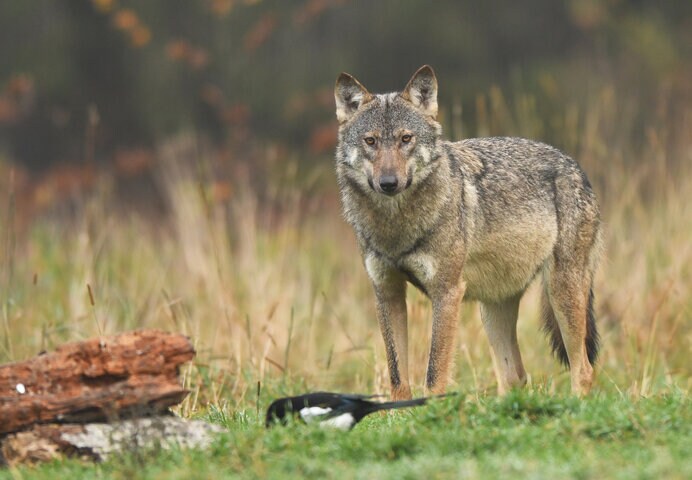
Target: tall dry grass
270, 286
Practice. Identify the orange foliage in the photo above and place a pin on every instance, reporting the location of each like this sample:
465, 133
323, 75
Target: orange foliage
140, 36
212, 95
61, 182
260, 32
221, 190
299, 103
323, 138
132, 162
20, 85
324, 97
181, 51
104, 6
312, 9
125, 19
237, 114
177, 49
198, 58
296, 105
8, 110
588, 14
221, 7
16, 98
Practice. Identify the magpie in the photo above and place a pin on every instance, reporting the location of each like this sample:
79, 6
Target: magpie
336, 410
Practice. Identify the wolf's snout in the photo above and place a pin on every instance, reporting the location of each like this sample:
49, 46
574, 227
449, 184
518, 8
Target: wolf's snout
388, 183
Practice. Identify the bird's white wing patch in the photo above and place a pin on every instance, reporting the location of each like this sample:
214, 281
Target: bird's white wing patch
342, 422
309, 414
314, 414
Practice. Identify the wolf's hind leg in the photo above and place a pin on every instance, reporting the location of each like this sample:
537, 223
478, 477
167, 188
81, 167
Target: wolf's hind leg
500, 323
571, 301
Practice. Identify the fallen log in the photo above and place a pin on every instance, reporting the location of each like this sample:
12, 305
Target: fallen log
98, 441
107, 378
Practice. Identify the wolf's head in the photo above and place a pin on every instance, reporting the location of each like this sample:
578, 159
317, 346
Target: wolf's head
387, 141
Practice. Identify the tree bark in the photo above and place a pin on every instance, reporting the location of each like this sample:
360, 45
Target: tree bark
107, 378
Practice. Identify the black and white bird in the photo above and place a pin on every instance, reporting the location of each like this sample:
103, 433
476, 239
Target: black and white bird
335, 410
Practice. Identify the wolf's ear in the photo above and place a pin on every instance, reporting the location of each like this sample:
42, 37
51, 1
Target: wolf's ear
349, 95
421, 90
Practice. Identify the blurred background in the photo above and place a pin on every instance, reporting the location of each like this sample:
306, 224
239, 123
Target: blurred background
176, 156
89, 85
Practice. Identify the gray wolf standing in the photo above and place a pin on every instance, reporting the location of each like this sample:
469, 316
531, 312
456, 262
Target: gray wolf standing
476, 219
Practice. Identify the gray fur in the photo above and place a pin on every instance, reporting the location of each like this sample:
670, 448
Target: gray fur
478, 219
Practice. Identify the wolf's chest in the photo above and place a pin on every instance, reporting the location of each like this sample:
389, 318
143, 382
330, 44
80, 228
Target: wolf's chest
393, 232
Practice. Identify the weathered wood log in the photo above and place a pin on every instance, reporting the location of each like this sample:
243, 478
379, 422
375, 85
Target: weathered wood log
97, 441
99, 379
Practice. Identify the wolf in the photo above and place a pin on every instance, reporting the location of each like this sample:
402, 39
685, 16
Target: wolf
476, 219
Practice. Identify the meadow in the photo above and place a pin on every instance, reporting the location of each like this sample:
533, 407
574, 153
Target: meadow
263, 274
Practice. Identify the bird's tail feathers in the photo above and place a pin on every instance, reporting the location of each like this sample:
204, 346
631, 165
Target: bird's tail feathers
409, 403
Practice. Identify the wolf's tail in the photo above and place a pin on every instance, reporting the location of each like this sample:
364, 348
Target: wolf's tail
551, 328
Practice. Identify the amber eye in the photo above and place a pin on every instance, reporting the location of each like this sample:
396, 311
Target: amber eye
406, 138
370, 140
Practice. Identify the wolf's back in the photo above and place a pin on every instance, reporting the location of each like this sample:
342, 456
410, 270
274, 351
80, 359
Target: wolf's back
515, 176
519, 161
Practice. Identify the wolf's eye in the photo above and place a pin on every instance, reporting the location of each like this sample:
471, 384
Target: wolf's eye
406, 138
370, 140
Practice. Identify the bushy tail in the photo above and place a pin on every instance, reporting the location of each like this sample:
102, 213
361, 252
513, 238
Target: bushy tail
551, 328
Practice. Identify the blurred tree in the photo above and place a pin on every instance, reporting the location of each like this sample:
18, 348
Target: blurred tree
238, 69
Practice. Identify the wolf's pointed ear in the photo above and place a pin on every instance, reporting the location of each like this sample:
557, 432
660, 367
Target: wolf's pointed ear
421, 90
349, 95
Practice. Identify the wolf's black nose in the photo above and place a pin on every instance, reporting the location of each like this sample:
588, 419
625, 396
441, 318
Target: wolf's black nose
388, 183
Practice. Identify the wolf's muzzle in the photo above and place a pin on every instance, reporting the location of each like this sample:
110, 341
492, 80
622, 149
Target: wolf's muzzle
388, 184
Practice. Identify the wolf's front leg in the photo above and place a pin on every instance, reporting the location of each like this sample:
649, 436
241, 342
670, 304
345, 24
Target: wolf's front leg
390, 290
444, 332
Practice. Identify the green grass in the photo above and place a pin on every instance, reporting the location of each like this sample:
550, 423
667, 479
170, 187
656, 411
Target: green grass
525, 435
